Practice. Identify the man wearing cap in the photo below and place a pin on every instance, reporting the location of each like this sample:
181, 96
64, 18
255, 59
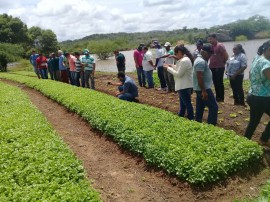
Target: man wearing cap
159, 66
33, 59
199, 45
217, 65
138, 57
120, 61
89, 68
62, 67
170, 61
202, 82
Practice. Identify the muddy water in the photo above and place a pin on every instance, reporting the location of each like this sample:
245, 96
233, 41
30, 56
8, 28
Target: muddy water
249, 46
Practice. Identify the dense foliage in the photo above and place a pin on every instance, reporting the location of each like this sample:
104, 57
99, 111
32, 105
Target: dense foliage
14, 31
196, 152
35, 164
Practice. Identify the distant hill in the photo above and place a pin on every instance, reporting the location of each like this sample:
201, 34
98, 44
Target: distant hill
254, 27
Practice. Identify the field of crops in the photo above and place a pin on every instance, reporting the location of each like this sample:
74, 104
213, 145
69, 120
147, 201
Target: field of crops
196, 152
35, 164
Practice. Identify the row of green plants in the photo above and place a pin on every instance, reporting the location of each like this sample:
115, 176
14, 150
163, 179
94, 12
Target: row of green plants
196, 152
35, 164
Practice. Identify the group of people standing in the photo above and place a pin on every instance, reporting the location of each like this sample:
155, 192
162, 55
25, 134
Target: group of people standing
75, 69
184, 73
178, 71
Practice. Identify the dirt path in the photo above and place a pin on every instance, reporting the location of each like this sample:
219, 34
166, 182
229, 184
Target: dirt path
120, 176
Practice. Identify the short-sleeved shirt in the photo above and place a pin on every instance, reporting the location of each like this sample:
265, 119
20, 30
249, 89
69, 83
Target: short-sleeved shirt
129, 86
200, 65
159, 53
78, 65
259, 84
41, 62
61, 61
235, 63
167, 59
120, 58
138, 56
71, 61
88, 60
33, 59
145, 63
217, 59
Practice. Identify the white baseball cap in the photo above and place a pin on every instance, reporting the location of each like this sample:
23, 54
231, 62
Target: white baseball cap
167, 44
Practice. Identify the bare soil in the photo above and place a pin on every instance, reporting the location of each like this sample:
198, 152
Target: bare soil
122, 176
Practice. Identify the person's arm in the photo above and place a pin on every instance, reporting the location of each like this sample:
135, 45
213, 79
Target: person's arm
30, 59
181, 68
94, 68
114, 84
201, 85
266, 73
151, 63
164, 56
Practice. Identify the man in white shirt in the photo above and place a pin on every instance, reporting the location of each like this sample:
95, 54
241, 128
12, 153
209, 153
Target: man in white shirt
148, 67
159, 65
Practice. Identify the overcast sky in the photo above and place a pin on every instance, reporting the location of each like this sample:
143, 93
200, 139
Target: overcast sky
79, 18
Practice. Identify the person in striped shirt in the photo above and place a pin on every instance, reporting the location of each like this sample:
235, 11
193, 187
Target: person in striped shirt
89, 68
79, 71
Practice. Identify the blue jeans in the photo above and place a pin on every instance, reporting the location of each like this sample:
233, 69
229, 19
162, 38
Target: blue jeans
79, 75
185, 103
161, 77
141, 76
72, 77
149, 77
211, 103
127, 96
43, 73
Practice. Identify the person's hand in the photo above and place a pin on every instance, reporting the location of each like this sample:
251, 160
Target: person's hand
232, 77
93, 73
154, 67
204, 95
165, 66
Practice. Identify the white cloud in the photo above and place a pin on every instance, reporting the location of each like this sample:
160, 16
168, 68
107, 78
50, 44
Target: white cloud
77, 19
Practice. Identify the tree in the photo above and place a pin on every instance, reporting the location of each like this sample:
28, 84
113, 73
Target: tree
48, 41
12, 30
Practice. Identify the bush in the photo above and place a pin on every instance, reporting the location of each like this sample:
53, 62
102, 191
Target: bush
241, 38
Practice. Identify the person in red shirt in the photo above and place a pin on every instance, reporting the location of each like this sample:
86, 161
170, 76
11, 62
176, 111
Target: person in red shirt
42, 66
217, 63
138, 57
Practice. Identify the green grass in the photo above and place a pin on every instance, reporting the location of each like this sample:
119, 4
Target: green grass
35, 164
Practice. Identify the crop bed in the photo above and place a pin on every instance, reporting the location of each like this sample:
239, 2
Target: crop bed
35, 164
193, 151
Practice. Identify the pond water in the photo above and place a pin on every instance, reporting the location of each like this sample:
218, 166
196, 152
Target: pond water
250, 48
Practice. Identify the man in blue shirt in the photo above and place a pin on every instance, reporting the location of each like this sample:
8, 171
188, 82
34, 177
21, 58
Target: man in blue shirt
33, 59
127, 87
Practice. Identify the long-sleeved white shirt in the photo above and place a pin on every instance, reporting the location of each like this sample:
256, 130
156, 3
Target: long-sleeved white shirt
182, 73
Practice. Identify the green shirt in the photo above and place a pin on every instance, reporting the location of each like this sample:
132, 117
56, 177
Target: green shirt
259, 84
88, 60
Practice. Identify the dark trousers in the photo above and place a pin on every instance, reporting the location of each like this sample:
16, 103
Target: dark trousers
126, 96
258, 106
121, 68
210, 103
88, 75
217, 75
185, 103
161, 77
56, 75
169, 80
237, 88
141, 76
64, 76
70, 77
78, 76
